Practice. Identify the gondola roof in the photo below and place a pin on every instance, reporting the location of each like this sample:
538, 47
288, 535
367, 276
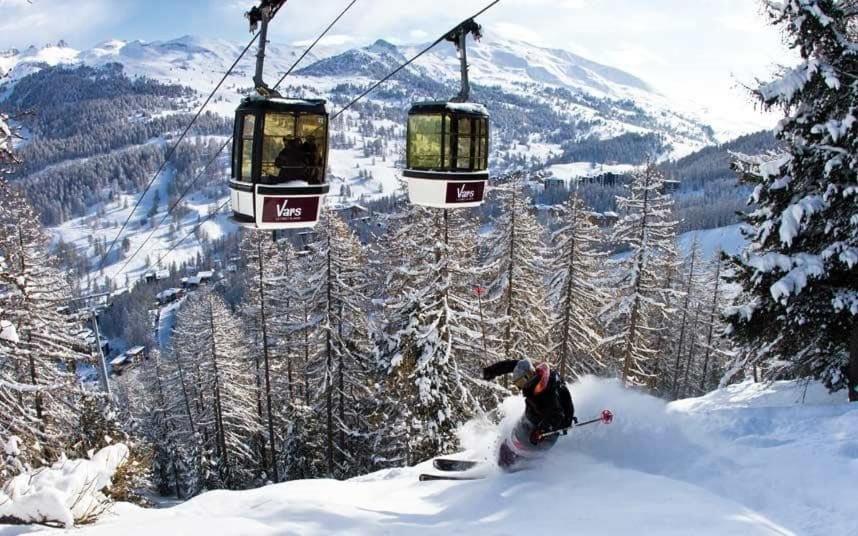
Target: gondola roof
312, 106
460, 108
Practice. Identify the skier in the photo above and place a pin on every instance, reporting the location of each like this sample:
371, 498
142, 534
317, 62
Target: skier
548, 408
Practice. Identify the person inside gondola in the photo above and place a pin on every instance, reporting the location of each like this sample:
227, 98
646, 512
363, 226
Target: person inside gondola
310, 155
290, 160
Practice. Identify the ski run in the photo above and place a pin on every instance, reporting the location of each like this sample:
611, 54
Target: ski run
750, 459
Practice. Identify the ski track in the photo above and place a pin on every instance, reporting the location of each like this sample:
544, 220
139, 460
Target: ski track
747, 460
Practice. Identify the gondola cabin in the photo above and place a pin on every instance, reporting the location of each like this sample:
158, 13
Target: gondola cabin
279, 159
447, 154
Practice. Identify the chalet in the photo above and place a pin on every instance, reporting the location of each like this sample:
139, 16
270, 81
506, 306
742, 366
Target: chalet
605, 219
205, 277
152, 275
671, 186
169, 296
127, 359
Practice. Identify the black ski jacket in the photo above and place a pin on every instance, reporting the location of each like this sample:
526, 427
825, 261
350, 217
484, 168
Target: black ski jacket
548, 403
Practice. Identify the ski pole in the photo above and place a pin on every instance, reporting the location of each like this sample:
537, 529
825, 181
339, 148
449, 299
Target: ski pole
606, 417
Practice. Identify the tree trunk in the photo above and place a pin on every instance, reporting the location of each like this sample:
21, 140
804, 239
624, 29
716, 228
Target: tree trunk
329, 388
712, 314
220, 432
683, 326
852, 370
267, 364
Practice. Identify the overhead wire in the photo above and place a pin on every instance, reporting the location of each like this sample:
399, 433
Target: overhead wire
225, 144
181, 138
340, 111
410, 61
173, 150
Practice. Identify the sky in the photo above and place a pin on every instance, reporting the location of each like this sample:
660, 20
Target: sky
703, 52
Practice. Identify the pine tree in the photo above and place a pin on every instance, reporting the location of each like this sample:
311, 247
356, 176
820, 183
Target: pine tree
516, 292
797, 313
38, 389
209, 343
576, 265
633, 317
415, 347
335, 286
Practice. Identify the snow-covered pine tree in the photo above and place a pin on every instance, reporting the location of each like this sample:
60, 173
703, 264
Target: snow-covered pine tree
798, 310
210, 339
414, 349
7, 137
576, 268
266, 311
687, 315
335, 285
517, 295
648, 231
39, 394
665, 338
712, 344
155, 409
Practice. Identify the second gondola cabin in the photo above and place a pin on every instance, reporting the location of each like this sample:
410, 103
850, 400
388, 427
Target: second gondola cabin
279, 160
447, 154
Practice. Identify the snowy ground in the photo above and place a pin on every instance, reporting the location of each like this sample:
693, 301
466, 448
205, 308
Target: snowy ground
748, 460
728, 239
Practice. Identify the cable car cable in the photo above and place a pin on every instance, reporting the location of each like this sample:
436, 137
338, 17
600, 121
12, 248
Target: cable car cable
409, 62
229, 140
173, 150
192, 231
331, 25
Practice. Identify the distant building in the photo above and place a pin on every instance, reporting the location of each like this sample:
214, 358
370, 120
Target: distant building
671, 186
170, 295
605, 219
128, 359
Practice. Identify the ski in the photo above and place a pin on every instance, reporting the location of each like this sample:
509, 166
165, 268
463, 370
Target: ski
424, 477
446, 464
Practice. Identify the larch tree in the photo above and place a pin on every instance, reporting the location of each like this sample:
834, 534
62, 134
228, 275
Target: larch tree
516, 292
687, 315
576, 268
209, 339
39, 393
797, 314
335, 282
266, 311
647, 230
415, 346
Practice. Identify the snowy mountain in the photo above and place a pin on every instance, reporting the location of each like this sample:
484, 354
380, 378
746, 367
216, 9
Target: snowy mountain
544, 102
747, 460
617, 101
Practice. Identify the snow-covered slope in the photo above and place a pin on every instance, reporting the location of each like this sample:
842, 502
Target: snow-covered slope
747, 460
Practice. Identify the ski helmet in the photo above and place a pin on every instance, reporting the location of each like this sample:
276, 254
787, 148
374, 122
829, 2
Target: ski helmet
523, 374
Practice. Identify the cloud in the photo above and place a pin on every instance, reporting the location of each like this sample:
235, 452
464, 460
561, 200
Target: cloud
510, 30
329, 40
41, 22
